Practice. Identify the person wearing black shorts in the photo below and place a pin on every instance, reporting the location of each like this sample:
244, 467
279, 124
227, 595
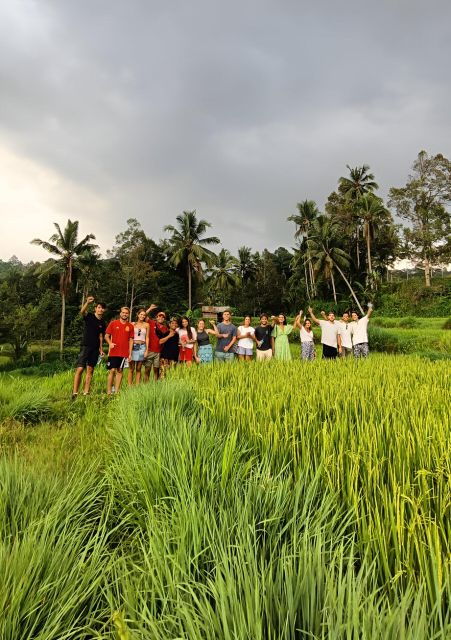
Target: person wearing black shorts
91, 344
330, 334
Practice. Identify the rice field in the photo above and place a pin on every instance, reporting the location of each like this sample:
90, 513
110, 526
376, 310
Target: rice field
259, 501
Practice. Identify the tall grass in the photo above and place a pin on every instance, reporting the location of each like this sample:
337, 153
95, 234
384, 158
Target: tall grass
246, 501
286, 502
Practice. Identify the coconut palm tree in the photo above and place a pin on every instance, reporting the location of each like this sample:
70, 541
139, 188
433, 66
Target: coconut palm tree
359, 183
246, 267
326, 255
223, 275
87, 264
188, 245
373, 214
308, 212
67, 248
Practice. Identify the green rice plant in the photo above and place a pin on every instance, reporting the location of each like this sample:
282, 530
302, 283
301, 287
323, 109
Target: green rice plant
296, 505
53, 554
268, 501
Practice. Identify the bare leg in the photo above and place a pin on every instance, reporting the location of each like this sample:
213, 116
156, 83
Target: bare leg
138, 372
248, 358
118, 379
109, 387
241, 357
88, 378
147, 374
131, 368
77, 379
156, 372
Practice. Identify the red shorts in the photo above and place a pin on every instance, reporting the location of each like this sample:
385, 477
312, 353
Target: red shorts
186, 354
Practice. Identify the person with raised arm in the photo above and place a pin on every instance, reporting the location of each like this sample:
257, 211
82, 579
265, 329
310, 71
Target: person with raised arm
246, 338
306, 335
279, 337
359, 330
344, 327
226, 338
330, 335
140, 346
119, 335
91, 344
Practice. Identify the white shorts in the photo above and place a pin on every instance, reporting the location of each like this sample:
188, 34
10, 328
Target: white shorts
264, 355
242, 351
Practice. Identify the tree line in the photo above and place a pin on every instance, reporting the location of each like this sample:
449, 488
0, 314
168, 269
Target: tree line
342, 253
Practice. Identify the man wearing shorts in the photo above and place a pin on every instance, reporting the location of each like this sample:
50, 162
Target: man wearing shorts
91, 345
119, 335
152, 360
330, 335
263, 338
226, 338
359, 328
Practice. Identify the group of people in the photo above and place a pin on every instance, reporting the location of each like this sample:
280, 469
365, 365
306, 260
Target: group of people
153, 343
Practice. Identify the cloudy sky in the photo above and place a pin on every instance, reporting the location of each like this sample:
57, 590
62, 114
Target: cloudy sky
239, 109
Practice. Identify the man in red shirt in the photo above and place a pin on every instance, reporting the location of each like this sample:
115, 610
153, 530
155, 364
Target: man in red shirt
152, 360
119, 335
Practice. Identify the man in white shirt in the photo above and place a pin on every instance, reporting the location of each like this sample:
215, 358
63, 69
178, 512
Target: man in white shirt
330, 334
359, 329
345, 333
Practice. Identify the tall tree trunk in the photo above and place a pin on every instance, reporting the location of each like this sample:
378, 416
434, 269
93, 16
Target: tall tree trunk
368, 251
310, 266
357, 238
427, 272
312, 277
350, 288
189, 286
63, 319
132, 300
306, 281
333, 284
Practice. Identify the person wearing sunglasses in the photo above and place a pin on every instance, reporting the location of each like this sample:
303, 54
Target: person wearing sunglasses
140, 346
152, 359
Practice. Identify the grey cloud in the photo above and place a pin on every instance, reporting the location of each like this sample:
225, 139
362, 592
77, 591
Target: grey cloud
238, 109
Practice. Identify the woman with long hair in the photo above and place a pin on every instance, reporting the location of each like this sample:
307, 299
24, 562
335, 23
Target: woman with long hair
306, 334
140, 346
204, 348
279, 337
187, 339
246, 338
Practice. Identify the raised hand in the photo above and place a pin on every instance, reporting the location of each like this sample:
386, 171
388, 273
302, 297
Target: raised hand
90, 299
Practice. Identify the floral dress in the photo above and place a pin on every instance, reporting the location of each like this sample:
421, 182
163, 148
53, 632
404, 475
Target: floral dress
281, 344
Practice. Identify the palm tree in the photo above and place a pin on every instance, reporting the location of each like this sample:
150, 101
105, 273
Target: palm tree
373, 214
246, 266
326, 256
359, 183
188, 245
308, 212
87, 267
66, 247
224, 276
